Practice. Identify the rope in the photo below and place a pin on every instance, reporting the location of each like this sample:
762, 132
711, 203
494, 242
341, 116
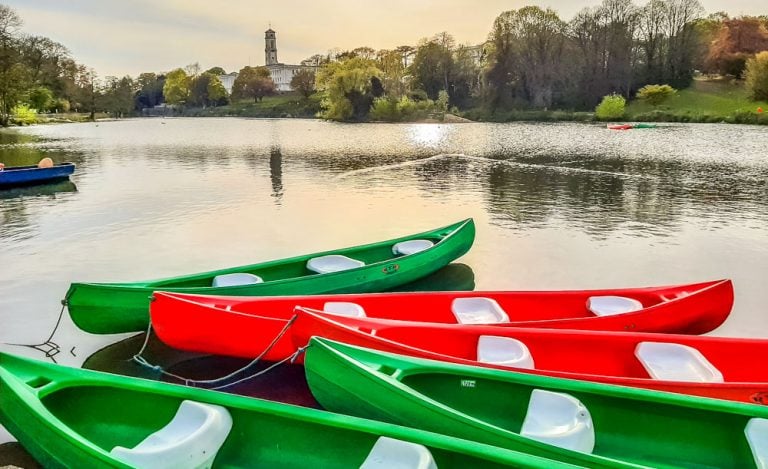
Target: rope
48, 347
138, 358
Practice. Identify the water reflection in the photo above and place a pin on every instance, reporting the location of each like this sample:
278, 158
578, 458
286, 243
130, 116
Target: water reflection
276, 173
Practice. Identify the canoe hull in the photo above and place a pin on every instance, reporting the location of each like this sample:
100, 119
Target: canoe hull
488, 406
114, 308
72, 418
243, 327
31, 175
605, 357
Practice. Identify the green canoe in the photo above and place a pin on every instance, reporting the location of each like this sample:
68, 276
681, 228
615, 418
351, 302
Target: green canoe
602, 425
106, 308
69, 417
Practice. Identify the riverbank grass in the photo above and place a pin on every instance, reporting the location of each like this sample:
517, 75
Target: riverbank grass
704, 101
283, 105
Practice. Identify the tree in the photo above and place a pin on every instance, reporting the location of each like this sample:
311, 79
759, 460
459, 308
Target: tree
253, 82
611, 107
216, 71
655, 94
118, 96
349, 88
207, 90
303, 81
40, 98
756, 76
737, 40
13, 74
526, 54
217, 94
176, 89
150, 92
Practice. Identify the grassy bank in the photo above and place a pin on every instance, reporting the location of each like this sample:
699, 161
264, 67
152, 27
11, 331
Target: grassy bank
284, 105
705, 101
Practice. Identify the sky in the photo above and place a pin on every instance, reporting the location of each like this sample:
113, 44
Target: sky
128, 37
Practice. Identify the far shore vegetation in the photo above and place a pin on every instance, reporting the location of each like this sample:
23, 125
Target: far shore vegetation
664, 61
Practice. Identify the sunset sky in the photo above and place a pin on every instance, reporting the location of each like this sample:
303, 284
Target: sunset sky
134, 36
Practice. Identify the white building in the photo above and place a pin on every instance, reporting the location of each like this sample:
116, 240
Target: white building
281, 73
228, 81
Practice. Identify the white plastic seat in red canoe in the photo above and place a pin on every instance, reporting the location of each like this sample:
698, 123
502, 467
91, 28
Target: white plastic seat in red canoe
344, 308
559, 419
676, 362
411, 246
389, 453
332, 263
237, 279
504, 351
756, 432
611, 305
191, 440
478, 310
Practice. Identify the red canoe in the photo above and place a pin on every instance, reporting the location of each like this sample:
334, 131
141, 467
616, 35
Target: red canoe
619, 126
723, 368
243, 327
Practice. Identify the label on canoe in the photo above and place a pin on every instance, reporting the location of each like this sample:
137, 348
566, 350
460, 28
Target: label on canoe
467, 383
390, 269
760, 398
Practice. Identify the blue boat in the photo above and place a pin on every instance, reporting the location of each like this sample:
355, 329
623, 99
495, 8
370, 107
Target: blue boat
27, 175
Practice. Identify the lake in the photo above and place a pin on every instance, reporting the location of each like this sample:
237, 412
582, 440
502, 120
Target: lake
557, 206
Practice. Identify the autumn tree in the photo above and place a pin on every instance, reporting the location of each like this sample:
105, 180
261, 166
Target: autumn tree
303, 81
253, 82
737, 40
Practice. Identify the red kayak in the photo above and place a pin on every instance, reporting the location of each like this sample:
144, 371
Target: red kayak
619, 126
723, 368
244, 326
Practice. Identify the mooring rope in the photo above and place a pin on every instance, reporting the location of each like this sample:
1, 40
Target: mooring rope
48, 347
138, 358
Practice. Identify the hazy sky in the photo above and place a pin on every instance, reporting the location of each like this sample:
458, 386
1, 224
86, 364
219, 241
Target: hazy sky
118, 37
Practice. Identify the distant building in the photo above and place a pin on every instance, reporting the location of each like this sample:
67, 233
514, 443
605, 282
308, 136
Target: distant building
228, 81
281, 73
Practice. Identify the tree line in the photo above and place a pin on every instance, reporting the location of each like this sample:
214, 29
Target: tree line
532, 59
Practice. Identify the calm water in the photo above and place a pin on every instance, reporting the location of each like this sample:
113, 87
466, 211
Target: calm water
557, 206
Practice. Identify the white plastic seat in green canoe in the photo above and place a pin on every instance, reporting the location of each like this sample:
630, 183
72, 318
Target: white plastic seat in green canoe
560, 420
389, 453
344, 308
504, 351
611, 305
191, 440
332, 263
676, 362
236, 279
412, 246
756, 432
478, 310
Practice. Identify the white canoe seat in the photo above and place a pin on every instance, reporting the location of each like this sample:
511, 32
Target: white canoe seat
233, 280
191, 440
478, 310
676, 362
560, 420
389, 453
757, 436
504, 351
411, 247
332, 263
610, 305
344, 308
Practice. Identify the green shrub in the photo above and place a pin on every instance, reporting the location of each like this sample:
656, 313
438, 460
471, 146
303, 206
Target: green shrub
655, 94
23, 115
756, 76
385, 109
611, 107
